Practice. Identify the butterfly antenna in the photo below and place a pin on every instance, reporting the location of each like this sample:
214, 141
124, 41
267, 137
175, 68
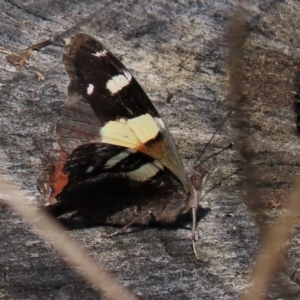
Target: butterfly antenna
218, 128
215, 154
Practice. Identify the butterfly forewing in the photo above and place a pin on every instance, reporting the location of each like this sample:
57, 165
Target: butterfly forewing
107, 105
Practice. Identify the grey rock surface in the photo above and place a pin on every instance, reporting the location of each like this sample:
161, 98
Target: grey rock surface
175, 48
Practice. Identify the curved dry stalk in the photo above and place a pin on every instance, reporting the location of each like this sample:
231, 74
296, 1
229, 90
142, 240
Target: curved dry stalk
273, 248
52, 232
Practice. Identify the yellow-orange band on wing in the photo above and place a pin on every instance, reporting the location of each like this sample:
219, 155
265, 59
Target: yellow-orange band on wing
131, 133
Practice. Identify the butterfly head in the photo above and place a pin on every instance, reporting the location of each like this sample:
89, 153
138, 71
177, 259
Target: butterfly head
198, 176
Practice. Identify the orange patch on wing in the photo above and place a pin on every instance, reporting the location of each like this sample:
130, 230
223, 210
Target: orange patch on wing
55, 179
157, 149
141, 148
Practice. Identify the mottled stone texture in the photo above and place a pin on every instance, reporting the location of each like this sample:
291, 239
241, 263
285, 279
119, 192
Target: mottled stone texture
177, 51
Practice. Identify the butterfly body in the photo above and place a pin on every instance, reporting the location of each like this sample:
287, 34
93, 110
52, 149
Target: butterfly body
120, 159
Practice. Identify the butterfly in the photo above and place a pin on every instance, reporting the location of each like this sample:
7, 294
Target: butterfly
118, 163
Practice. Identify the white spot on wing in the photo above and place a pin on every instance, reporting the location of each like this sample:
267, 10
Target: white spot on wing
130, 133
118, 82
100, 54
90, 169
117, 158
144, 172
90, 89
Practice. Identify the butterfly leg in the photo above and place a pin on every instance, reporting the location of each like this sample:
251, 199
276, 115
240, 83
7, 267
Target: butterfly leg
120, 231
193, 234
194, 223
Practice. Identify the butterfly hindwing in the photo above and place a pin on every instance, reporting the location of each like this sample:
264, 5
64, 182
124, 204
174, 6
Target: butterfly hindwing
91, 160
105, 183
